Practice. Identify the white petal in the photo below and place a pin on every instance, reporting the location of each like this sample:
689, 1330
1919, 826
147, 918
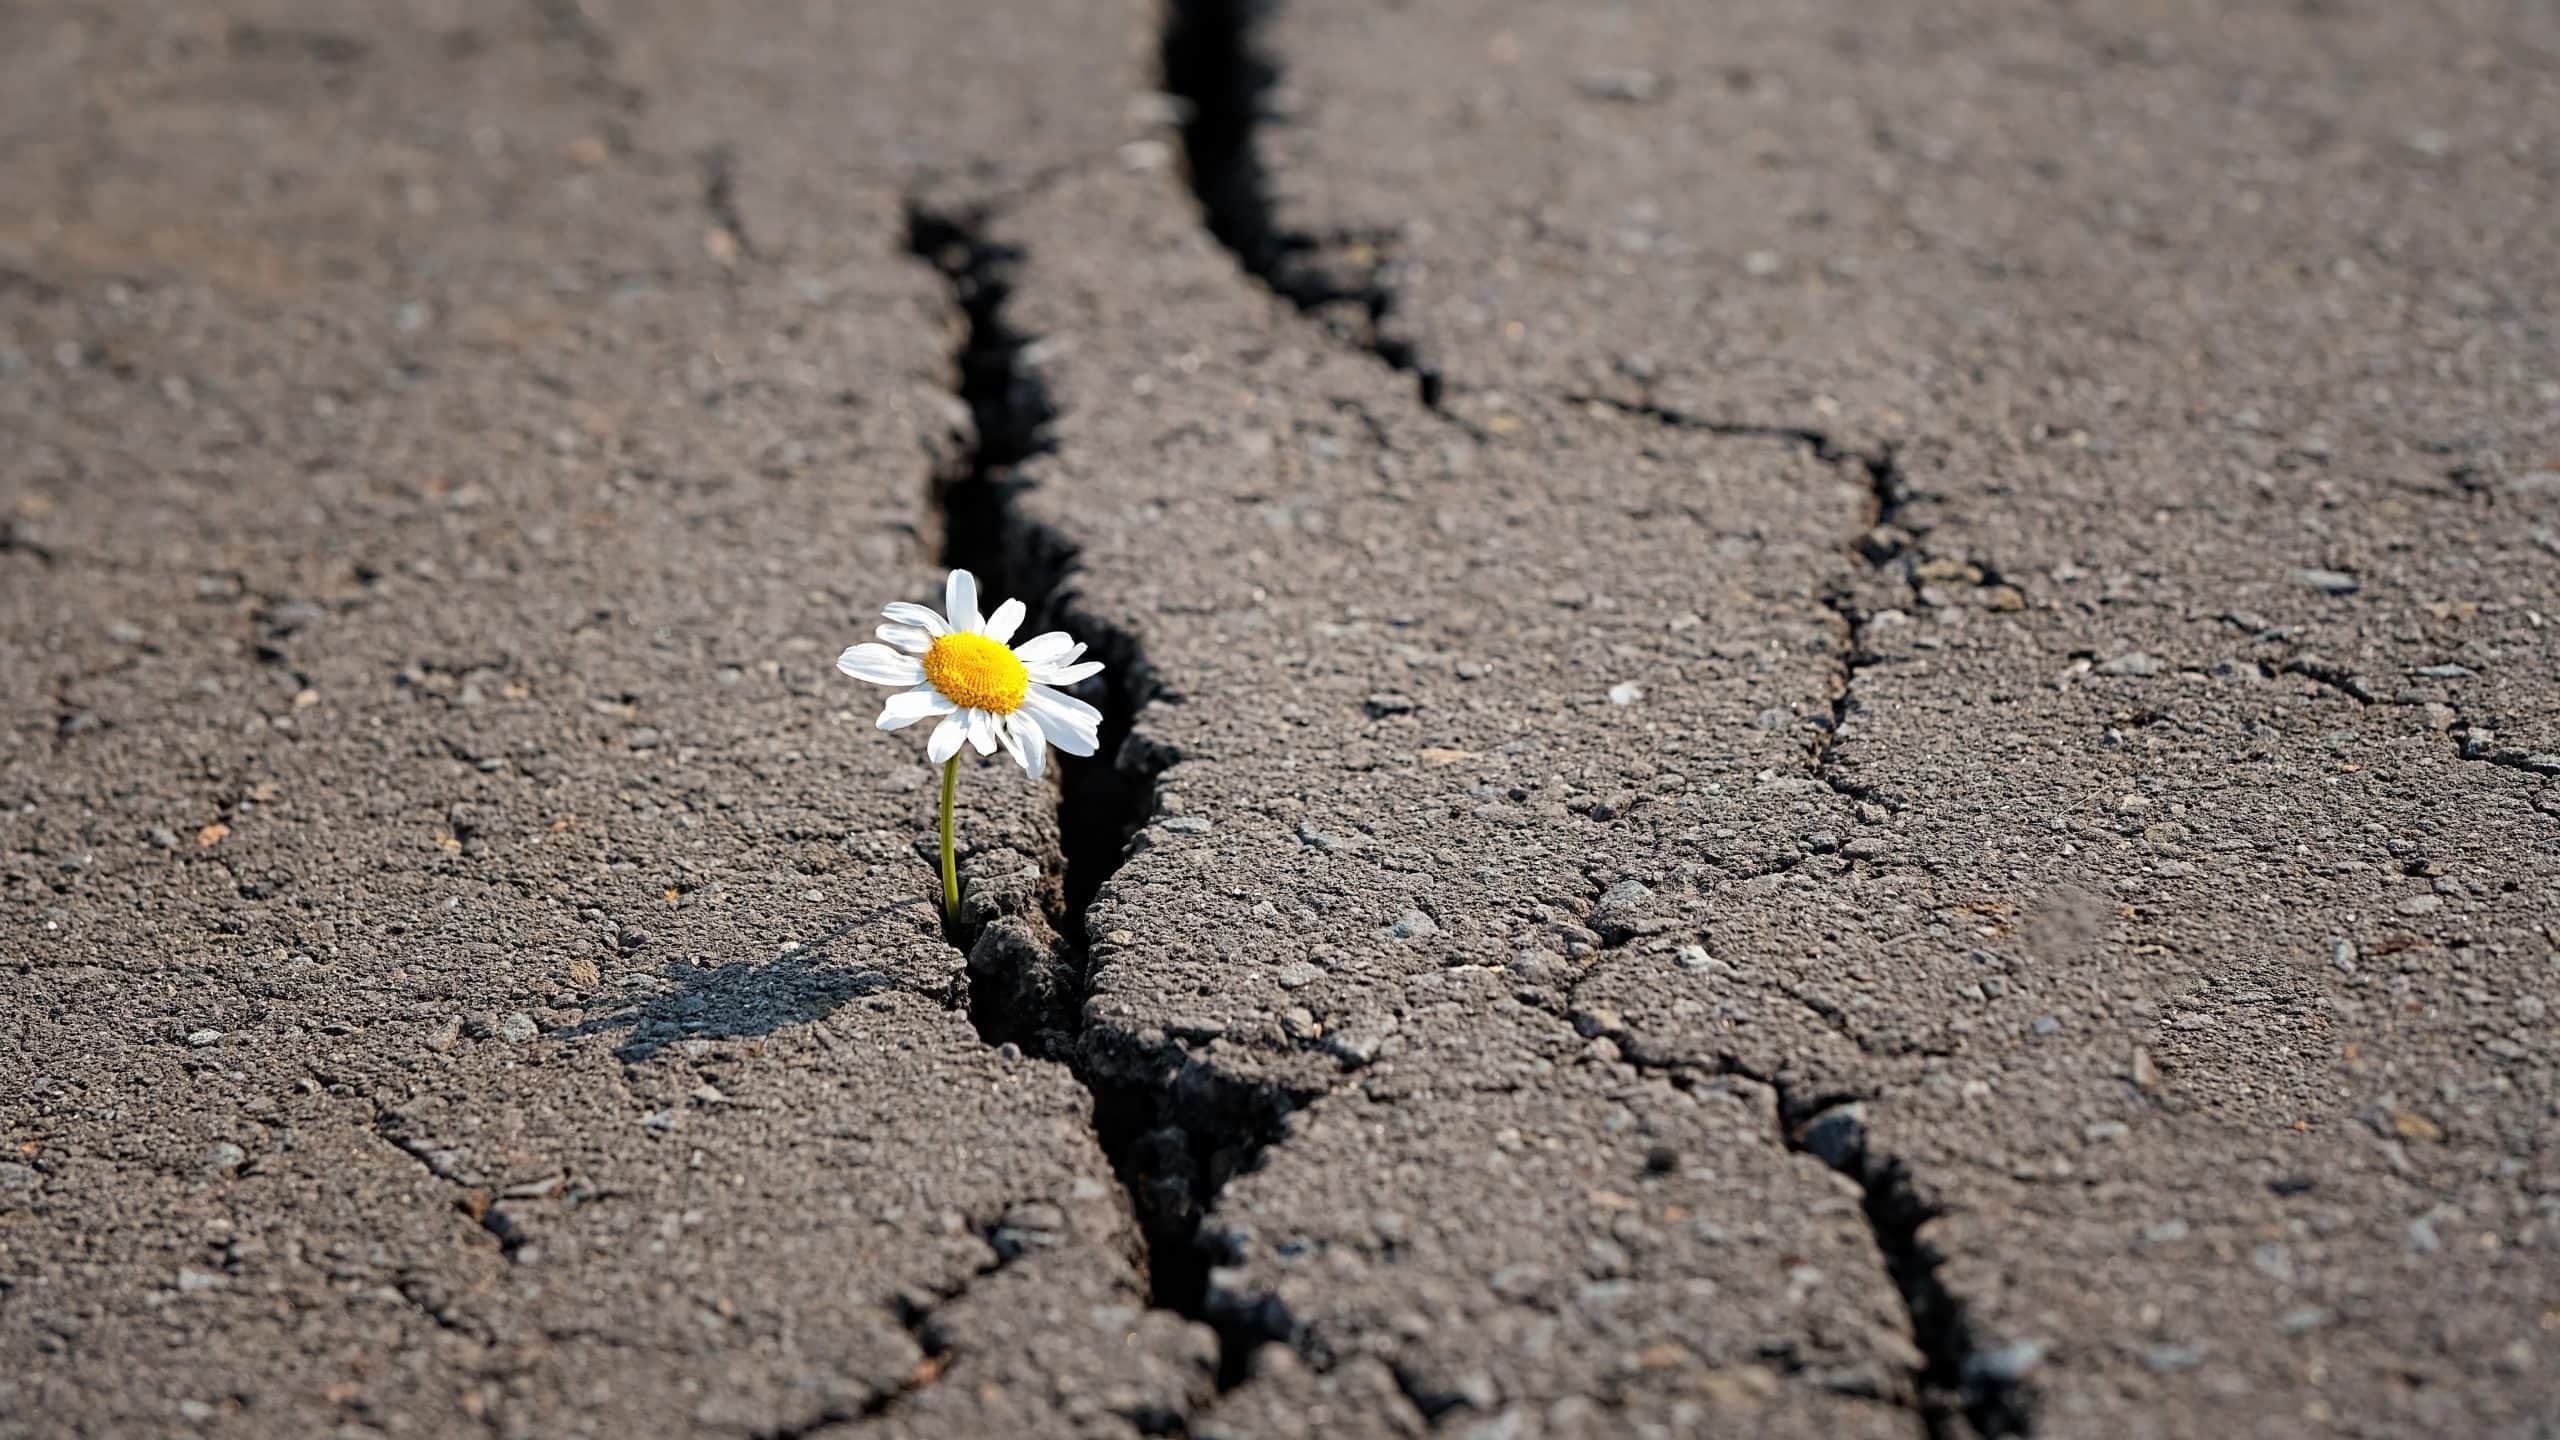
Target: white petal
1068, 706
1030, 746
880, 665
1064, 674
914, 639
947, 739
923, 617
1064, 734
1063, 729
1006, 620
1008, 735
1045, 648
909, 706
982, 731
960, 602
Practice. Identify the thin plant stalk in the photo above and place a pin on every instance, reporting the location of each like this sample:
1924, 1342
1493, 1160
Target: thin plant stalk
950, 865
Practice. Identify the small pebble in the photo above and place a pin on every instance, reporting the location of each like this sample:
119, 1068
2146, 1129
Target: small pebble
1622, 87
2304, 1320
1411, 925
2004, 1364
2170, 1359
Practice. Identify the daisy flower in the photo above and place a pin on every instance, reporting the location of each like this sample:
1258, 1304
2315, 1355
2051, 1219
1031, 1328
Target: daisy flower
956, 667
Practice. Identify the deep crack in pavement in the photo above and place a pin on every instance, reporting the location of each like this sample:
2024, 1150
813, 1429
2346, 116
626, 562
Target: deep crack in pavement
1175, 1132
1208, 60
1838, 723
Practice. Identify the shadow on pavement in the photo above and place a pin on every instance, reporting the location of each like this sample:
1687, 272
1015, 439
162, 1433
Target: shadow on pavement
718, 1002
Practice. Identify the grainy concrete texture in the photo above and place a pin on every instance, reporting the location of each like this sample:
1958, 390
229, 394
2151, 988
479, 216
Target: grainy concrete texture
1824, 720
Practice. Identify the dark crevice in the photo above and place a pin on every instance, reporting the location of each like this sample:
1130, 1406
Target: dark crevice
511, 1236
1853, 657
2472, 742
471, 1203
1962, 1383
1818, 441
1008, 408
13, 543
1885, 542
2478, 742
1964, 1388
568, 22
1959, 1386
422, 1298
1175, 1130
474, 1203
2313, 668
1433, 1403
1210, 62
1888, 536
921, 1317
720, 198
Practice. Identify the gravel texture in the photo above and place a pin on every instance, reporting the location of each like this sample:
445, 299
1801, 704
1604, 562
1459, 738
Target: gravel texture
1821, 722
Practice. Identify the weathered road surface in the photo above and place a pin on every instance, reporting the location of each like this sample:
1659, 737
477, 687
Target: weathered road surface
1826, 723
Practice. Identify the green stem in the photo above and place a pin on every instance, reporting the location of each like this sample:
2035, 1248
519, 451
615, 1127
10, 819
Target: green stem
950, 865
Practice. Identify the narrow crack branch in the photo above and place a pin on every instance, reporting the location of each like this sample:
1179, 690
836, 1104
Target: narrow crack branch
2472, 742
1961, 1378
471, 1202
1957, 1379
2480, 743
1884, 541
1960, 1382
921, 1318
568, 22
1850, 659
720, 199
1211, 63
1819, 441
14, 543
1885, 537
2336, 677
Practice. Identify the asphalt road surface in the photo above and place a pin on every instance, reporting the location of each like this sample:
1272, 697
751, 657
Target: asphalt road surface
1824, 720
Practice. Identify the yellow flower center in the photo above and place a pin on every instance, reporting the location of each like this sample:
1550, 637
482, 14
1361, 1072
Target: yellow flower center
976, 673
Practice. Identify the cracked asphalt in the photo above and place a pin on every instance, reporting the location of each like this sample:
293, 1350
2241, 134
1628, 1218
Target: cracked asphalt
1822, 722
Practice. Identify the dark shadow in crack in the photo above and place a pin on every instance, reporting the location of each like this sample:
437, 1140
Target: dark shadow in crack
747, 997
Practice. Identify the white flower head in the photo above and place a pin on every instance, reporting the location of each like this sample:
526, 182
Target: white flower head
957, 666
